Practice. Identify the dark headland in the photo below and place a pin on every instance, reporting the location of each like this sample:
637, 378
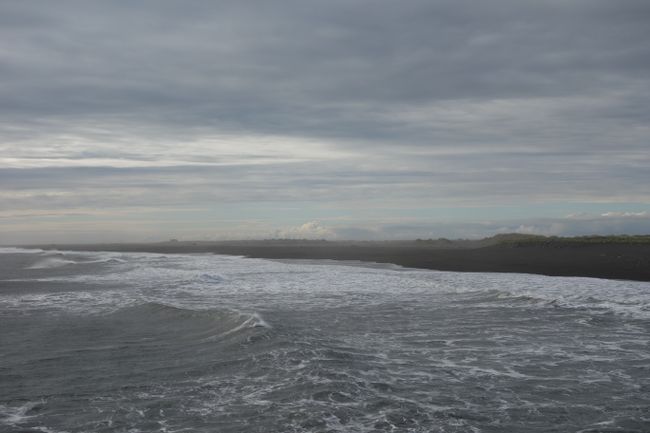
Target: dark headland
615, 257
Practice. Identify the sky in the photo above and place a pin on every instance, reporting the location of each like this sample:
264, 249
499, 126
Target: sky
366, 119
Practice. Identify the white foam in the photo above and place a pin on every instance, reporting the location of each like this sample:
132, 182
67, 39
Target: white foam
17, 415
51, 262
16, 250
209, 280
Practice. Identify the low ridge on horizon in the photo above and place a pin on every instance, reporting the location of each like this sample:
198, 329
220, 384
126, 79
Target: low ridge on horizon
505, 238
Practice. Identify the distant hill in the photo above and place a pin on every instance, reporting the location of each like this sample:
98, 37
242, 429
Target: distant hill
525, 239
520, 239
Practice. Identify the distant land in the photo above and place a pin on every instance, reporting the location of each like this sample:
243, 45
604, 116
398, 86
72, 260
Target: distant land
614, 257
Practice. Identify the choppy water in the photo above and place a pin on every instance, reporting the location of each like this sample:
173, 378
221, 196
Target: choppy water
109, 342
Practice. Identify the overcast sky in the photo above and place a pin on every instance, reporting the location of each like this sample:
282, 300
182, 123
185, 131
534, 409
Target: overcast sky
368, 119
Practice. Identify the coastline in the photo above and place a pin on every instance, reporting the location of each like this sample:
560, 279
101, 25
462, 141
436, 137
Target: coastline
621, 261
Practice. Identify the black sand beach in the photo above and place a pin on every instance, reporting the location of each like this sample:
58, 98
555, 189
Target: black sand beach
626, 258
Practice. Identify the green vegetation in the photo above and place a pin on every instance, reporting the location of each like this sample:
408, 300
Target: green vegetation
519, 239
524, 239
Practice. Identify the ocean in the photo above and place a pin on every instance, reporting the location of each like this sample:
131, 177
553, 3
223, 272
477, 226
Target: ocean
135, 342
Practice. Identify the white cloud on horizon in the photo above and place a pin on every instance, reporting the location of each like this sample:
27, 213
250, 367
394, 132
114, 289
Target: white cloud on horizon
643, 214
308, 230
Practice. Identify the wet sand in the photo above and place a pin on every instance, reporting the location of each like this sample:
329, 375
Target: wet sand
626, 261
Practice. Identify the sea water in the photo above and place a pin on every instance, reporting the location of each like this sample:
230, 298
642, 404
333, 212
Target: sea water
113, 342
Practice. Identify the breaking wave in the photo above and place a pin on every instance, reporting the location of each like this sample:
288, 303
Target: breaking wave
626, 302
51, 262
193, 324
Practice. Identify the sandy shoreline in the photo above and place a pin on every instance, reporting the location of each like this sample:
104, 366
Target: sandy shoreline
627, 261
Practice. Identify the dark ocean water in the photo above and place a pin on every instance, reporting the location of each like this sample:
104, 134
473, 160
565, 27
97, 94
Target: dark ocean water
109, 342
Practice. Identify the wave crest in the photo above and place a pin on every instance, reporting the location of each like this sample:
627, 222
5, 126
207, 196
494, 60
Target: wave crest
51, 262
178, 322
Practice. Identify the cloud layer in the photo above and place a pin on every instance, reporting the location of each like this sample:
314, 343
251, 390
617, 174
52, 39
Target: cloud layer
327, 108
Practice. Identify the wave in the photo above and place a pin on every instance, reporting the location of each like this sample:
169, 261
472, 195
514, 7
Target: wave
16, 250
211, 278
631, 304
51, 262
107, 260
18, 414
190, 324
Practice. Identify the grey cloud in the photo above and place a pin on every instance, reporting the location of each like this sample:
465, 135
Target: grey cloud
443, 180
445, 102
241, 63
